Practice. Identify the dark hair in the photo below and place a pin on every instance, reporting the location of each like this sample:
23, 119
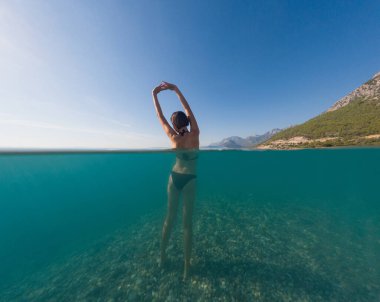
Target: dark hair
179, 119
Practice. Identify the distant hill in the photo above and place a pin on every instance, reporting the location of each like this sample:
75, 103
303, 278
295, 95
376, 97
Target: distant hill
237, 142
353, 120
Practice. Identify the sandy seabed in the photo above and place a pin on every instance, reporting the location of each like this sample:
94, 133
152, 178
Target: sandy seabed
242, 251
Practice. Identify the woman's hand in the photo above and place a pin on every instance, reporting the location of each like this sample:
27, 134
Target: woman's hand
166, 85
163, 86
157, 89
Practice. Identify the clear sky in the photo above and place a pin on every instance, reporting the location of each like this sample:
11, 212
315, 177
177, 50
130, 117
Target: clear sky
80, 73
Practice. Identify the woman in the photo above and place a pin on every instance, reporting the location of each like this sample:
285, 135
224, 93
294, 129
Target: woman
183, 176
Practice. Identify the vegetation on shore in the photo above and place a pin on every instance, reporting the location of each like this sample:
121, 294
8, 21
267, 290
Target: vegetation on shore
350, 125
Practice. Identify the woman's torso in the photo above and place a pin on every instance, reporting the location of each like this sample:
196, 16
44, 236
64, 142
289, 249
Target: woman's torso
186, 149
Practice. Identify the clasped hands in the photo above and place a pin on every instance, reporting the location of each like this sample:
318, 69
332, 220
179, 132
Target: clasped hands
163, 86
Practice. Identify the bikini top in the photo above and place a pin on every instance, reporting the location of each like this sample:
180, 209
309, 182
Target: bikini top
183, 132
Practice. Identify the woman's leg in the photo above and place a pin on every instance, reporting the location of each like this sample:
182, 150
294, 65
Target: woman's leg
173, 197
189, 192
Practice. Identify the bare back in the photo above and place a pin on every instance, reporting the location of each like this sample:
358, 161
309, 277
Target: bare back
187, 147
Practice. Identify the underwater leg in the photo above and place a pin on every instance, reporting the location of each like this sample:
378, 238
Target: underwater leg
173, 197
188, 204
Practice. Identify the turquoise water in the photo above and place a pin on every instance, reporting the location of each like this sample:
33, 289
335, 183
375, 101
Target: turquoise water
268, 226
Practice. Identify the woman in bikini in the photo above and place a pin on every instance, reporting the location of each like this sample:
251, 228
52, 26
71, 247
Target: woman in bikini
183, 176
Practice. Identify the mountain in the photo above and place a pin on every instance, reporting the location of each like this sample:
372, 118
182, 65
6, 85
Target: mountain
237, 142
368, 91
352, 120
233, 142
257, 139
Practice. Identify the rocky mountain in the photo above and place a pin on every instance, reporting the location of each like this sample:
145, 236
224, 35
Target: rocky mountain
352, 120
237, 142
368, 91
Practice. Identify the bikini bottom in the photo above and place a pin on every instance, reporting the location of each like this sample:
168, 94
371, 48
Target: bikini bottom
180, 179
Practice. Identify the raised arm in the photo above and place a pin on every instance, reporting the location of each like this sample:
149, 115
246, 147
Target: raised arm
167, 128
193, 122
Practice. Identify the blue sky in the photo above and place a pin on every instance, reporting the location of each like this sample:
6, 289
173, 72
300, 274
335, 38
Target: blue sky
80, 73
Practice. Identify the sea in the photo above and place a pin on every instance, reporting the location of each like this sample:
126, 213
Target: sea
273, 225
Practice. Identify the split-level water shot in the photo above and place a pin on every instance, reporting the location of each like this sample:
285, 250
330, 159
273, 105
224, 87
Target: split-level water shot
189, 151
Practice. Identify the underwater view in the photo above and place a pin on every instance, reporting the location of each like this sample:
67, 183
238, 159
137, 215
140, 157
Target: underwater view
299, 225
